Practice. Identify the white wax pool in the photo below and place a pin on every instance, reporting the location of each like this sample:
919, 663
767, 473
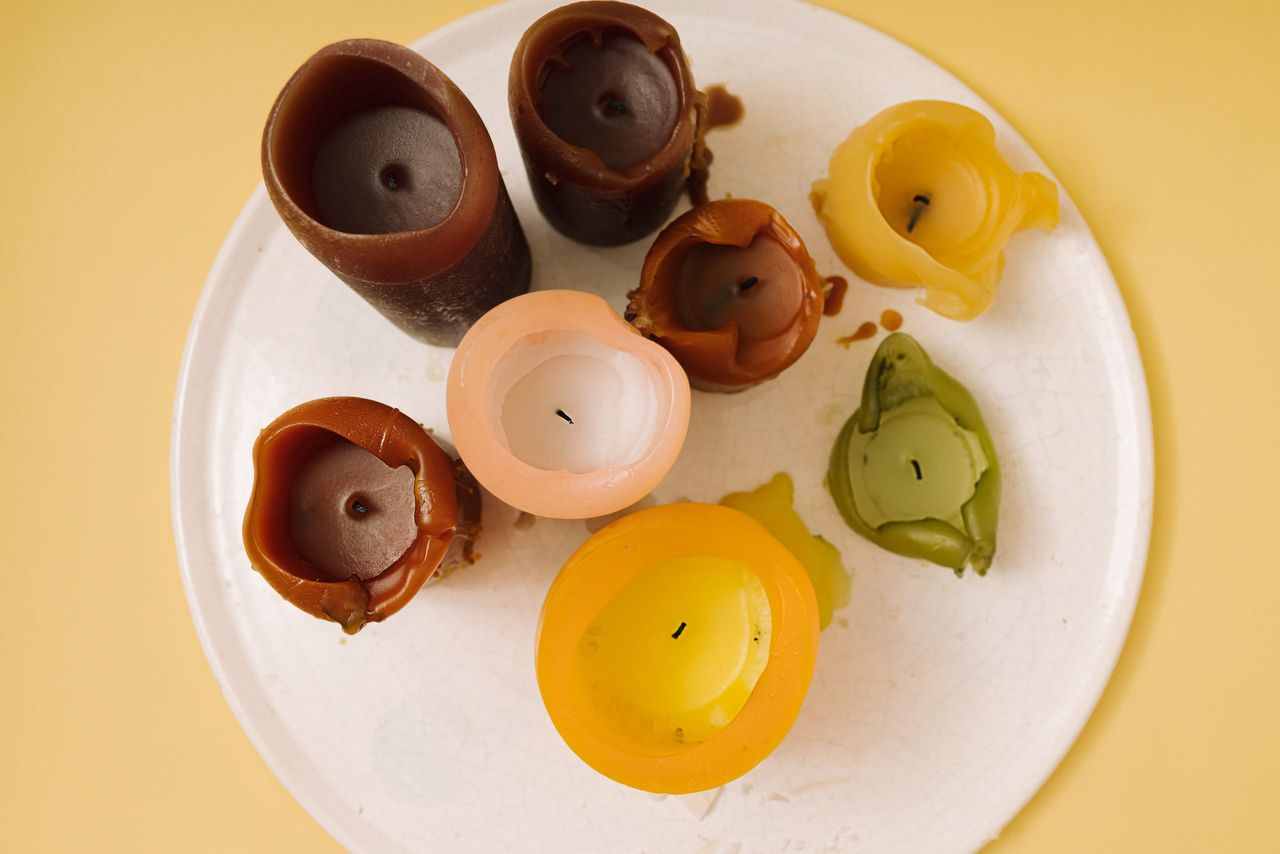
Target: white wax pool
565, 402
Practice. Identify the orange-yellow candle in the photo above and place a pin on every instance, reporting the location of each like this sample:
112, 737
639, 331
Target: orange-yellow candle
676, 647
920, 196
560, 408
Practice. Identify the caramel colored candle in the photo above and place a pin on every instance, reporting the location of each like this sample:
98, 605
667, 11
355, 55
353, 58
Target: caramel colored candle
383, 170
731, 291
354, 508
608, 120
560, 409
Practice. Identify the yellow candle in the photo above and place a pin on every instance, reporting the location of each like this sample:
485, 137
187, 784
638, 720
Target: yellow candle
676, 647
919, 195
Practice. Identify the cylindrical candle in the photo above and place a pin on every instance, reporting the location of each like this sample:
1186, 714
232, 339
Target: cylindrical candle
676, 647
919, 195
560, 409
354, 508
383, 170
731, 291
608, 120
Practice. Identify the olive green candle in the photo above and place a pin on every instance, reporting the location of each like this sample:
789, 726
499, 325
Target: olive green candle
914, 470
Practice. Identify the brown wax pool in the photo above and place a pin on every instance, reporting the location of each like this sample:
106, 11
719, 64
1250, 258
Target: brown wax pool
349, 512
615, 98
758, 287
385, 169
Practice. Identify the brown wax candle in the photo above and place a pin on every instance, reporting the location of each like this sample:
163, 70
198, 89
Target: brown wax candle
354, 508
608, 120
731, 291
383, 170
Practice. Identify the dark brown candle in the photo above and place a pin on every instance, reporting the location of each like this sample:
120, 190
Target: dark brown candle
608, 120
382, 168
731, 291
354, 508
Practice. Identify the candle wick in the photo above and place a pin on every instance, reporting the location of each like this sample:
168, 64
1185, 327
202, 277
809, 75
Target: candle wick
676, 633
915, 465
732, 291
563, 415
921, 202
617, 106
359, 507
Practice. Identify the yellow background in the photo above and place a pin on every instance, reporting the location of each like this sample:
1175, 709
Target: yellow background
128, 143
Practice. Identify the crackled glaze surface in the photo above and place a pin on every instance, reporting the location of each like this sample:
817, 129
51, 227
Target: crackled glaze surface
938, 706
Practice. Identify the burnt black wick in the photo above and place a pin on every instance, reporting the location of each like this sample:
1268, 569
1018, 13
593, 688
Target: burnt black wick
676, 633
564, 415
392, 181
748, 283
915, 465
359, 507
921, 202
617, 106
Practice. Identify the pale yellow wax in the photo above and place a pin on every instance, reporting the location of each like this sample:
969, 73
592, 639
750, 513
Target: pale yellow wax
920, 196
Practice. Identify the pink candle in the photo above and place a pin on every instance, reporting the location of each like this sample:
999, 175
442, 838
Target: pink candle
561, 409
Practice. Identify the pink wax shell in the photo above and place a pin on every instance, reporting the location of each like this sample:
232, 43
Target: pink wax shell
561, 409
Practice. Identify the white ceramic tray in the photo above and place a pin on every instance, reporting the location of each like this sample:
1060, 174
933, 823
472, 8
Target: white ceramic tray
939, 705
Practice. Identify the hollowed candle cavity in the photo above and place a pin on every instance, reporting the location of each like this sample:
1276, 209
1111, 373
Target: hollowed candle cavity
384, 169
570, 403
678, 651
614, 98
608, 120
758, 287
561, 410
731, 291
349, 512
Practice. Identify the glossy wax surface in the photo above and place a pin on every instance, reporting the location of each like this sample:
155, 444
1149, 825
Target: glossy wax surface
674, 656
385, 169
772, 504
349, 512
575, 405
759, 287
615, 98
731, 290
920, 464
